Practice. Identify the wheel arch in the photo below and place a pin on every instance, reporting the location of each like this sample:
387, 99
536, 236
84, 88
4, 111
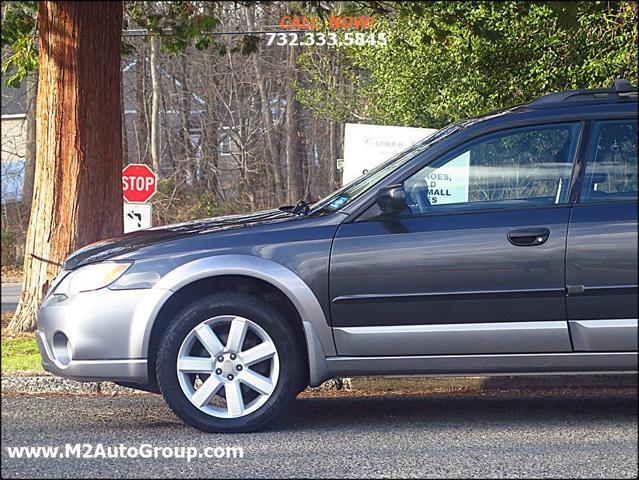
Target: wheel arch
248, 274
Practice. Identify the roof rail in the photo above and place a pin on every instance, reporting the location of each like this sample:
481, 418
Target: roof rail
621, 89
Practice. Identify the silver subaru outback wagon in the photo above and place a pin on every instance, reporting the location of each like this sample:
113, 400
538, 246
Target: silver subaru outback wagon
503, 244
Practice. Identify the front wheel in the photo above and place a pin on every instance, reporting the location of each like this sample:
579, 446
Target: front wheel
229, 363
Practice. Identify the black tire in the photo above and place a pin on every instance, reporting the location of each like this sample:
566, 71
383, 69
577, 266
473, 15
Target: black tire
285, 337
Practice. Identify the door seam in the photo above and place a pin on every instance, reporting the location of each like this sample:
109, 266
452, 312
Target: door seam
572, 345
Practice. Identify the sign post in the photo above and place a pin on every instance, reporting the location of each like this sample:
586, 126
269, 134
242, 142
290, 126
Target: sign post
139, 184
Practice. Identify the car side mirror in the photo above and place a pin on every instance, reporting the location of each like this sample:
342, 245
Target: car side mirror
391, 199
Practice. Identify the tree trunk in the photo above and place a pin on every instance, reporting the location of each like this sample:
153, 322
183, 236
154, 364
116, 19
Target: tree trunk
155, 105
267, 116
125, 131
77, 196
209, 162
141, 123
293, 137
30, 150
167, 158
186, 160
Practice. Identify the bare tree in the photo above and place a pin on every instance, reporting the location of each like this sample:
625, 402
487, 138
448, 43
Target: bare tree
293, 135
30, 150
265, 105
185, 164
141, 124
155, 105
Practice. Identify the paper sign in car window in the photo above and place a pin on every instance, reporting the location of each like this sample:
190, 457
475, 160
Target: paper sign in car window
338, 202
449, 183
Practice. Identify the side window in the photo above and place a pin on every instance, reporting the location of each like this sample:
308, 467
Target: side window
611, 165
523, 166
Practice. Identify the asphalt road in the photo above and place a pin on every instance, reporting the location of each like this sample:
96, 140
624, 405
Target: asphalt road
10, 294
562, 434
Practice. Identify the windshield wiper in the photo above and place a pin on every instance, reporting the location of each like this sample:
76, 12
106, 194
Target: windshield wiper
302, 208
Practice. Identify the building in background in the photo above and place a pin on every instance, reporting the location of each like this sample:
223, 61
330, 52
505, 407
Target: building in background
14, 138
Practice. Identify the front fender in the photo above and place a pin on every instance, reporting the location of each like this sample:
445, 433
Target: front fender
318, 334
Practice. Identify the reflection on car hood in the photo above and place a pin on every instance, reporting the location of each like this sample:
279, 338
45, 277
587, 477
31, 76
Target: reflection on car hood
130, 242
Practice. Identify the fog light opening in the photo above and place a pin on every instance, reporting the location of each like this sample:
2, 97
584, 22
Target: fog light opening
61, 349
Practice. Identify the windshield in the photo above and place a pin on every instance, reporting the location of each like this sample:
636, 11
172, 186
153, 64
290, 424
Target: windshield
360, 185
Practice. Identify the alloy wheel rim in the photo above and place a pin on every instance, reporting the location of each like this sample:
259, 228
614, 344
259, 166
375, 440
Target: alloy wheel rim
228, 366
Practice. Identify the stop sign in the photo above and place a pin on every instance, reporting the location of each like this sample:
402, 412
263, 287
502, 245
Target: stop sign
139, 183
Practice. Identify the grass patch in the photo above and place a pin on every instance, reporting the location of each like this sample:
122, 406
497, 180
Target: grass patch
20, 353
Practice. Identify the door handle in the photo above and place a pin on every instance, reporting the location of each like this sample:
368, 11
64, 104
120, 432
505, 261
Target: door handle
528, 237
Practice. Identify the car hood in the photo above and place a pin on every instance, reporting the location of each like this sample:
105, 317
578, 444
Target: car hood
105, 249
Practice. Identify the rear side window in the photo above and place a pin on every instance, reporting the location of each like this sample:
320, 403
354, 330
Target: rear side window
611, 166
527, 166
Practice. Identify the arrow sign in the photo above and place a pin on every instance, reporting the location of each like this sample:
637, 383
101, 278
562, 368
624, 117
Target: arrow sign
137, 216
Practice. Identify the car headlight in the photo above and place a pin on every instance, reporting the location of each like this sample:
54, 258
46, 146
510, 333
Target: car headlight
91, 277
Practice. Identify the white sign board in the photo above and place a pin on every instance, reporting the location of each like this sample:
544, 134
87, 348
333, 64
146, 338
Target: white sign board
366, 146
449, 183
137, 216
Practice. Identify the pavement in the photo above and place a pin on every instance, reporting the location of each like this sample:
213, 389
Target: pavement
10, 294
575, 433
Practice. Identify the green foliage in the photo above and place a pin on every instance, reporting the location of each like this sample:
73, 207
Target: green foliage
325, 74
178, 23
18, 37
448, 60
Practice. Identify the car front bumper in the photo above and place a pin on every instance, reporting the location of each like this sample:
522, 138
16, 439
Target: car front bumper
98, 335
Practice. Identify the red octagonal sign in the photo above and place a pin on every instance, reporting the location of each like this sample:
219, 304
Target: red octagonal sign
139, 183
